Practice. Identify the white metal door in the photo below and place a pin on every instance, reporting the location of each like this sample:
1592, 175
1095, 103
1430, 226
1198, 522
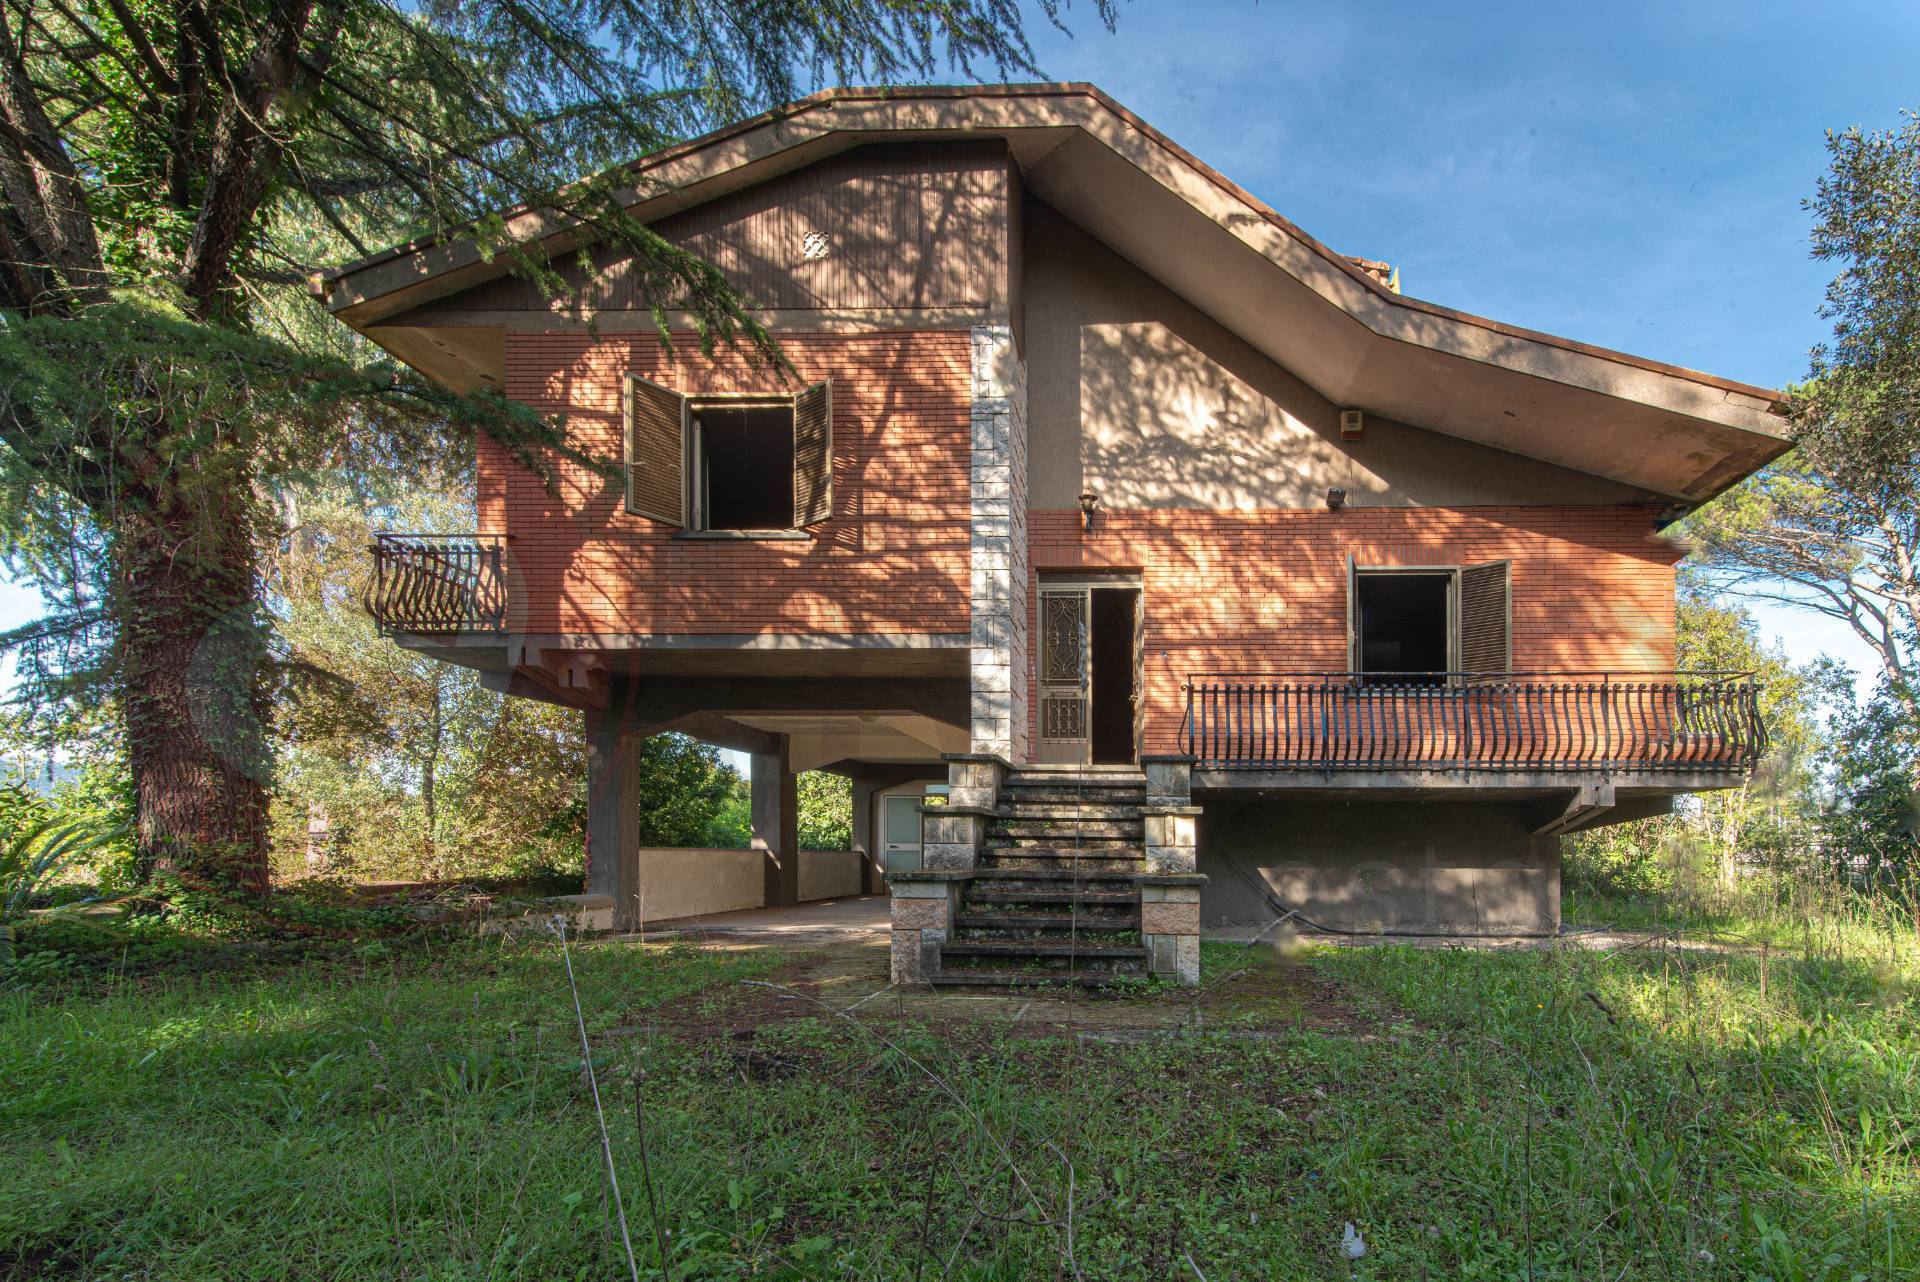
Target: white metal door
900, 830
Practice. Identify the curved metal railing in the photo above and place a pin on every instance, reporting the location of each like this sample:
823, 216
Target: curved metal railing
1509, 721
439, 583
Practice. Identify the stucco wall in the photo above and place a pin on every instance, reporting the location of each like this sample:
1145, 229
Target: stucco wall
685, 881
1429, 867
892, 559
829, 874
1138, 396
1266, 591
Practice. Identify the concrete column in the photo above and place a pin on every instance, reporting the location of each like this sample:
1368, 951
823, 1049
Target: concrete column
866, 842
613, 815
998, 545
776, 824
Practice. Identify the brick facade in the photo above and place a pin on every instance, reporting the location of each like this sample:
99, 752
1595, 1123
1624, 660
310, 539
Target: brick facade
892, 560
1266, 591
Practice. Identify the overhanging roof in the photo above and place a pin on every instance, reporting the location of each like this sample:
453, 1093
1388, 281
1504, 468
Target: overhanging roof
1674, 431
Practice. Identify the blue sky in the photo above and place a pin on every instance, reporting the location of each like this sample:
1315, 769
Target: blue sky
1626, 174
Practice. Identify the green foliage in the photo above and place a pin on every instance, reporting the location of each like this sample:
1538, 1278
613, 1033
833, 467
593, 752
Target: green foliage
1835, 526
31, 858
1771, 821
826, 811
93, 799
685, 786
1870, 828
393, 764
1721, 1114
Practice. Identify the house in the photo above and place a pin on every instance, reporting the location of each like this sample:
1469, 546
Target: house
1214, 578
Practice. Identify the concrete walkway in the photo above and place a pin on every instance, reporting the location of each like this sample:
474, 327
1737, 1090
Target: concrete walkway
822, 921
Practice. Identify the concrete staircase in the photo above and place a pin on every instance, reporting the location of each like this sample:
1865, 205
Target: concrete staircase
1054, 898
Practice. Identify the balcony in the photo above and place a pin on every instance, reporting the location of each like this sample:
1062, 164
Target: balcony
439, 584
1662, 724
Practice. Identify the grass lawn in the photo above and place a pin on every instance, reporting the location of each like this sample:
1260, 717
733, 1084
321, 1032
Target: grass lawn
1657, 1112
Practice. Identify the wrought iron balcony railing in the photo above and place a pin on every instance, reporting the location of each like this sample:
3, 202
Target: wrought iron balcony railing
439, 583
1515, 721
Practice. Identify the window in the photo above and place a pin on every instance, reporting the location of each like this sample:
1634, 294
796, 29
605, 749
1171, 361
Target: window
742, 467
1414, 626
729, 466
1405, 624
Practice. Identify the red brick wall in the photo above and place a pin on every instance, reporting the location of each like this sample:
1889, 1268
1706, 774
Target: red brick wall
1266, 591
893, 559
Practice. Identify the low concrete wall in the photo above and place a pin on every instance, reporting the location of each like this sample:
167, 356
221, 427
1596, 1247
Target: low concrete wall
1468, 868
829, 874
691, 881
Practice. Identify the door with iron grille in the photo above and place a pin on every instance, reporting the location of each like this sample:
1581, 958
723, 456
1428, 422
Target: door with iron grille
1064, 676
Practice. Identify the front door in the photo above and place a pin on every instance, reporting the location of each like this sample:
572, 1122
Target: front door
1065, 668
1089, 670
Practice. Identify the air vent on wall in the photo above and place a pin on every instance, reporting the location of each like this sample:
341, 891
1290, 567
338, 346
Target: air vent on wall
815, 245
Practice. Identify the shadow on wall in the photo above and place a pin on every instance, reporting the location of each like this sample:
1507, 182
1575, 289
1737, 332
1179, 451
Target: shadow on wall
892, 558
1462, 868
1139, 396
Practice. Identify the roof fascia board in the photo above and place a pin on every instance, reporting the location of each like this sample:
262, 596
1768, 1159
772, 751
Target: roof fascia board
850, 116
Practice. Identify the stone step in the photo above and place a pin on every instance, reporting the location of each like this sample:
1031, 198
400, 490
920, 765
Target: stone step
1035, 793
1092, 811
1012, 861
1043, 950
1082, 898
1047, 921
1028, 979
1111, 848
1117, 830
1072, 777
1050, 876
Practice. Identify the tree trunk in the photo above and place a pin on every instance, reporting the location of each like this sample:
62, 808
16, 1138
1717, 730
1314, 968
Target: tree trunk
193, 665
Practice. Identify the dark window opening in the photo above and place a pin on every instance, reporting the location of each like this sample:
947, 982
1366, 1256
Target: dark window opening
1403, 625
744, 467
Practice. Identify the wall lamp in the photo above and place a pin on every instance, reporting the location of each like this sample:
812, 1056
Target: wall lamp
1336, 499
1089, 504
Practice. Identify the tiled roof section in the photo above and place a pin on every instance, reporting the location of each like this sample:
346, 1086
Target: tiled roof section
1385, 273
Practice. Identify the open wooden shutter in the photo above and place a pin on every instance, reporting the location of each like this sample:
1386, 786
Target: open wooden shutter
1353, 614
813, 454
1486, 631
656, 451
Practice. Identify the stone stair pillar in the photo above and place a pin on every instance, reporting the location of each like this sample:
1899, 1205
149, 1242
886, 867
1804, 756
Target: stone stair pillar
951, 839
1170, 890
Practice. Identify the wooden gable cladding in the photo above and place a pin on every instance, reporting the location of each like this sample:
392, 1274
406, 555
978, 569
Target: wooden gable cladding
911, 226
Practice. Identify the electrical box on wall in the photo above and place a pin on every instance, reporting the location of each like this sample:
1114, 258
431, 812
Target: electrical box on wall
1352, 422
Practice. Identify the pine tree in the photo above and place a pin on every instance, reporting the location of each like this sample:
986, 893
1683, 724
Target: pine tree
173, 169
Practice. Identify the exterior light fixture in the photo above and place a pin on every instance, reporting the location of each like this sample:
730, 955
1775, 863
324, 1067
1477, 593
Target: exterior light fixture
1336, 499
1089, 504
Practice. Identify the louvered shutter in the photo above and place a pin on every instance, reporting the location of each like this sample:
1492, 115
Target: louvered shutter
813, 455
656, 451
1485, 619
1353, 614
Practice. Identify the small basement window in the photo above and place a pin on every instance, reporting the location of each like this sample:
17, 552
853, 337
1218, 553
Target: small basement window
1403, 624
743, 467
